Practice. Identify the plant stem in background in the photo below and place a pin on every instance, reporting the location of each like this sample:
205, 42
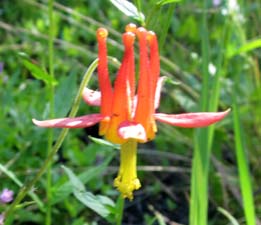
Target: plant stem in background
200, 163
242, 163
138, 4
51, 102
244, 175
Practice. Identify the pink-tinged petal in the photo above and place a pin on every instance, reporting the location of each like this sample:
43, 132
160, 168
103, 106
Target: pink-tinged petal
133, 130
189, 120
160, 83
78, 122
91, 97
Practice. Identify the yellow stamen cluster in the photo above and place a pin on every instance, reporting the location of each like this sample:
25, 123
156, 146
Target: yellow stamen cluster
126, 181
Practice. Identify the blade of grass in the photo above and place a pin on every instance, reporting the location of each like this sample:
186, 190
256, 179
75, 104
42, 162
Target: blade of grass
120, 210
167, 21
216, 84
242, 163
50, 90
200, 163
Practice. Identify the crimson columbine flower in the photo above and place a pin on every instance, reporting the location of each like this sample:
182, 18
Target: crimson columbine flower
128, 116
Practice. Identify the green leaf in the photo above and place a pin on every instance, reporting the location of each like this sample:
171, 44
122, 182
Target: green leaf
104, 142
164, 2
249, 46
63, 191
74, 180
97, 203
39, 73
64, 94
128, 9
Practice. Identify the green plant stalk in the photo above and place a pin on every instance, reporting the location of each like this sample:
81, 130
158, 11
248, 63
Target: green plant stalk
150, 14
120, 210
138, 5
28, 187
48, 218
164, 31
242, 163
221, 63
200, 163
205, 61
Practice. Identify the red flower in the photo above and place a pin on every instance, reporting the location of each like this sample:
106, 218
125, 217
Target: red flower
127, 117
123, 114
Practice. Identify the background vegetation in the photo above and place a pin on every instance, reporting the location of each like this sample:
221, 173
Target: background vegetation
212, 46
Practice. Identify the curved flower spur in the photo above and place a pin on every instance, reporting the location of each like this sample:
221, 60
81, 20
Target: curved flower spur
127, 117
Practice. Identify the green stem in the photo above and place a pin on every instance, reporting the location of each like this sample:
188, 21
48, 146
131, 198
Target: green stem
48, 219
138, 4
243, 164
27, 187
205, 61
121, 202
201, 158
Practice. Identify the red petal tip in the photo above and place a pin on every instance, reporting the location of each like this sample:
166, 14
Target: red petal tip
128, 38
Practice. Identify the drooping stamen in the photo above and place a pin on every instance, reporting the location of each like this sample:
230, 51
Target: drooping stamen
103, 77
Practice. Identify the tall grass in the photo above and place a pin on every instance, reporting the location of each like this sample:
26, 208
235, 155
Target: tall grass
204, 137
51, 92
202, 150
